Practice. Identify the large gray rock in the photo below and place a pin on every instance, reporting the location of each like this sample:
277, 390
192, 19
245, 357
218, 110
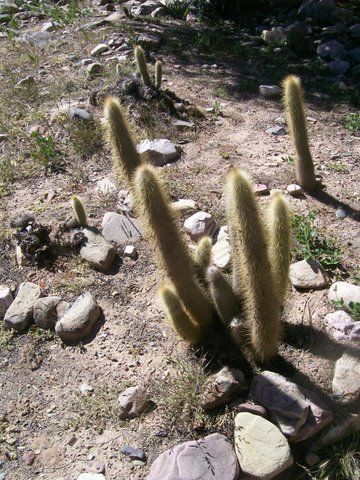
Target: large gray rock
339, 66
159, 152
20, 313
97, 251
331, 49
320, 10
37, 38
262, 450
270, 91
6, 299
78, 322
298, 411
346, 381
146, 8
345, 293
308, 274
45, 312
120, 228
209, 458
133, 402
222, 387
201, 224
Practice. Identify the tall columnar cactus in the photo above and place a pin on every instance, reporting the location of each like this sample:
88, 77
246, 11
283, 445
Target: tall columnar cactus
293, 102
252, 275
79, 210
158, 74
202, 258
142, 67
153, 205
125, 156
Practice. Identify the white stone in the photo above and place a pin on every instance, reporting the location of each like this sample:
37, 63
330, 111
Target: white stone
130, 251
294, 190
262, 450
159, 151
120, 228
6, 299
99, 49
20, 313
97, 251
308, 274
91, 476
221, 254
343, 291
270, 91
201, 224
346, 381
105, 187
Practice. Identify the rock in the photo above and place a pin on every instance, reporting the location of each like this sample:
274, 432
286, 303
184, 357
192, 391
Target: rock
355, 332
275, 36
133, 402
29, 457
341, 213
331, 49
148, 40
131, 252
183, 124
48, 27
208, 458
79, 321
221, 254
344, 292
86, 390
20, 313
79, 113
8, 8
320, 10
270, 91
294, 190
99, 49
6, 299
159, 152
105, 187
125, 203
355, 54
146, 8
120, 228
201, 224
45, 312
341, 324
260, 189
339, 66
308, 274
97, 251
343, 15
298, 411
184, 205
133, 453
222, 387
354, 31
91, 476
4, 137
296, 39
251, 408
36, 38
276, 130
262, 450
346, 381
94, 69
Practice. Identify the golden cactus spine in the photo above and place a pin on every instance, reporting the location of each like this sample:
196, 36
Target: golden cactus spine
158, 74
125, 156
294, 105
252, 275
202, 258
141, 65
79, 210
158, 219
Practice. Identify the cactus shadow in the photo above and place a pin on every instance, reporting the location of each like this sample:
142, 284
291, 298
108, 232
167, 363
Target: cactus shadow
329, 200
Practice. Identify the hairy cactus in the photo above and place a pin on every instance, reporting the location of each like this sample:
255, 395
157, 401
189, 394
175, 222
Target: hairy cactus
180, 320
293, 101
152, 203
158, 74
125, 156
79, 210
141, 65
202, 258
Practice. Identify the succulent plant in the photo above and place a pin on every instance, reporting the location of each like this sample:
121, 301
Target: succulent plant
158, 74
79, 210
142, 67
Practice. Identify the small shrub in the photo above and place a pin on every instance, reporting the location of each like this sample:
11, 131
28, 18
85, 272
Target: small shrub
353, 122
46, 153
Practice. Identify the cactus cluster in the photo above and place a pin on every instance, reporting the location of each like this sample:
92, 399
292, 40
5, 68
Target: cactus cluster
143, 69
199, 294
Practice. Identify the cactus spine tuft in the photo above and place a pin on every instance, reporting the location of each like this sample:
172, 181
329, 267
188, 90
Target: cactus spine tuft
79, 210
141, 65
158, 74
202, 258
293, 102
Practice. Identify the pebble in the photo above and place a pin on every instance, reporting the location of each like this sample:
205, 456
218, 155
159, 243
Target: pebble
99, 49
86, 390
183, 124
270, 91
29, 457
133, 453
45, 312
131, 252
251, 408
308, 274
94, 69
278, 130
346, 380
222, 387
105, 187
79, 113
260, 189
294, 190
159, 151
120, 228
201, 224
341, 213
133, 402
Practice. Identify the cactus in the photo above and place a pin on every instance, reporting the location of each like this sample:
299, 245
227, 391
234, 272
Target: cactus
180, 320
293, 102
141, 65
79, 210
152, 203
158, 74
279, 243
202, 258
125, 156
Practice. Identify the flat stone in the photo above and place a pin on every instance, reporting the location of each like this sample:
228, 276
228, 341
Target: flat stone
120, 228
159, 152
146, 8
45, 312
97, 251
184, 205
37, 38
308, 274
344, 292
148, 40
260, 189
346, 381
341, 324
79, 113
294, 190
133, 402
222, 387
78, 322
208, 458
298, 411
183, 124
276, 130
130, 252
331, 49
20, 313
201, 224
133, 453
99, 49
6, 299
262, 450
221, 254
251, 408
106, 187
272, 92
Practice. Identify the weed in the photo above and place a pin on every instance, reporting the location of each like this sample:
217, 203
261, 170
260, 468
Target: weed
356, 276
221, 91
337, 166
353, 308
6, 336
85, 137
287, 158
46, 153
309, 243
217, 108
178, 8
353, 122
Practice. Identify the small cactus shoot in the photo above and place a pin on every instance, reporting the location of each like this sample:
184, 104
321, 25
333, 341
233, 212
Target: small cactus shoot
158, 74
141, 65
79, 210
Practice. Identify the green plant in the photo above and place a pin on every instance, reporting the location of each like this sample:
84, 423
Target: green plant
178, 8
158, 74
353, 122
79, 210
337, 166
310, 244
353, 308
293, 102
46, 153
141, 66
